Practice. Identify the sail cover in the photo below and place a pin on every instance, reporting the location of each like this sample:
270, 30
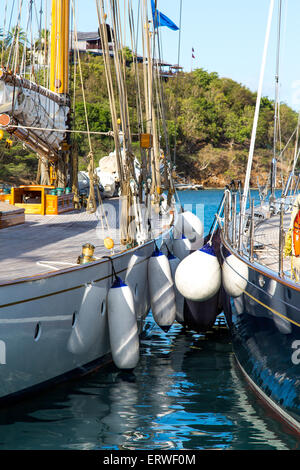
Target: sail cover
42, 113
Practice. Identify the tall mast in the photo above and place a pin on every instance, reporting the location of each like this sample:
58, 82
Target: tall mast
274, 161
59, 83
256, 114
59, 64
152, 124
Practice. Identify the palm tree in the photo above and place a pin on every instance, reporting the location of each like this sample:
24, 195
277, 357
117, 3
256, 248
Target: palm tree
44, 38
42, 43
16, 38
16, 34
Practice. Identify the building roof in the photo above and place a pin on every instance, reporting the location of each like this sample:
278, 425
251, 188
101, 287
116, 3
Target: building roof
94, 36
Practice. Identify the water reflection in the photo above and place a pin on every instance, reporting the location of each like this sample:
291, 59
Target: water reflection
185, 394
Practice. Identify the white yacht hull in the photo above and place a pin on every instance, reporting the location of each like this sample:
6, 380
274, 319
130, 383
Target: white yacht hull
55, 325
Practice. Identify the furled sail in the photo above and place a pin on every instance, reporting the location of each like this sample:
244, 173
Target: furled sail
33, 113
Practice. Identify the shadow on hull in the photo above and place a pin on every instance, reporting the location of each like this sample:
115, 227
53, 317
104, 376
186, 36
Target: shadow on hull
201, 316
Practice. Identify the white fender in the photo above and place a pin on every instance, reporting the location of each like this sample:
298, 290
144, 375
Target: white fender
234, 276
161, 289
179, 299
122, 323
198, 276
87, 327
181, 247
137, 279
276, 290
189, 225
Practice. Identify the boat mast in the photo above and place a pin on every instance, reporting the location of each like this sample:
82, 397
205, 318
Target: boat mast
256, 115
274, 160
59, 81
59, 64
152, 123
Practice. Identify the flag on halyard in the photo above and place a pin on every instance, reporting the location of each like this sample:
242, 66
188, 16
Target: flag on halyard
159, 19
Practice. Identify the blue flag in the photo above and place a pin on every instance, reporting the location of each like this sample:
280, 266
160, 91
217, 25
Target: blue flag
159, 19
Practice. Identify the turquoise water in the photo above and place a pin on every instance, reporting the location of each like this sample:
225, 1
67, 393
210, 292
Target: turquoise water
186, 393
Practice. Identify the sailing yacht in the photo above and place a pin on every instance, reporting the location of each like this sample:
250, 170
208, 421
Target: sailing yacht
251, 260
257, 244
74, 281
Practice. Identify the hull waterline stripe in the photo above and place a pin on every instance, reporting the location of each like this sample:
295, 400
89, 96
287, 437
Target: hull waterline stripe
271, 309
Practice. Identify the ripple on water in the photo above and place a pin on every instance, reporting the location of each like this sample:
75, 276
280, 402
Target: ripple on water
185, 394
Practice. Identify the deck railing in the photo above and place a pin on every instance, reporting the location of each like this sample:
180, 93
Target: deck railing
243, 234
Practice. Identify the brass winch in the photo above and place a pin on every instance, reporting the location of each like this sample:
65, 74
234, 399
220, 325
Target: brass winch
87, 254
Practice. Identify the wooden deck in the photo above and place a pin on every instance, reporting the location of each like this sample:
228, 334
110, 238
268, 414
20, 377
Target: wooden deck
47, 243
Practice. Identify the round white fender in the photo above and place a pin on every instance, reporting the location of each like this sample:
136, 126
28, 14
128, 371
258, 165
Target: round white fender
234, 276
181, 247
123, 330
179, 299
198, 276
161, 289
189, 225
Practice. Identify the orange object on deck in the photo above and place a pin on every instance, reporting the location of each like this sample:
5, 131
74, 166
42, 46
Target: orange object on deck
37, 199
59, 204
296, 235
5, 198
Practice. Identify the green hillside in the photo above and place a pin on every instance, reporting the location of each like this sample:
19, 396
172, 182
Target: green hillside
209, 122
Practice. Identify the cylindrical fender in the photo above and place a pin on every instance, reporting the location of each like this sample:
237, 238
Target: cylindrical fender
123, 329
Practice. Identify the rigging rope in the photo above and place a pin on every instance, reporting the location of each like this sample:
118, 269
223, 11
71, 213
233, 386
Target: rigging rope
74, 131
91, 205
144, 163
256, 114
177, 83
106, 57
3, 34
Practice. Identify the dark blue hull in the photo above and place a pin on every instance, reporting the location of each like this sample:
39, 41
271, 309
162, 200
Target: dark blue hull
265, 327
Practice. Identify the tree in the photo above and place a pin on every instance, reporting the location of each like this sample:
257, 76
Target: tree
16, 34
203, 78
42, 43
237, 129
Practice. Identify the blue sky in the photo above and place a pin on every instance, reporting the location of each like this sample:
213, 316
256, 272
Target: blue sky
228, 38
